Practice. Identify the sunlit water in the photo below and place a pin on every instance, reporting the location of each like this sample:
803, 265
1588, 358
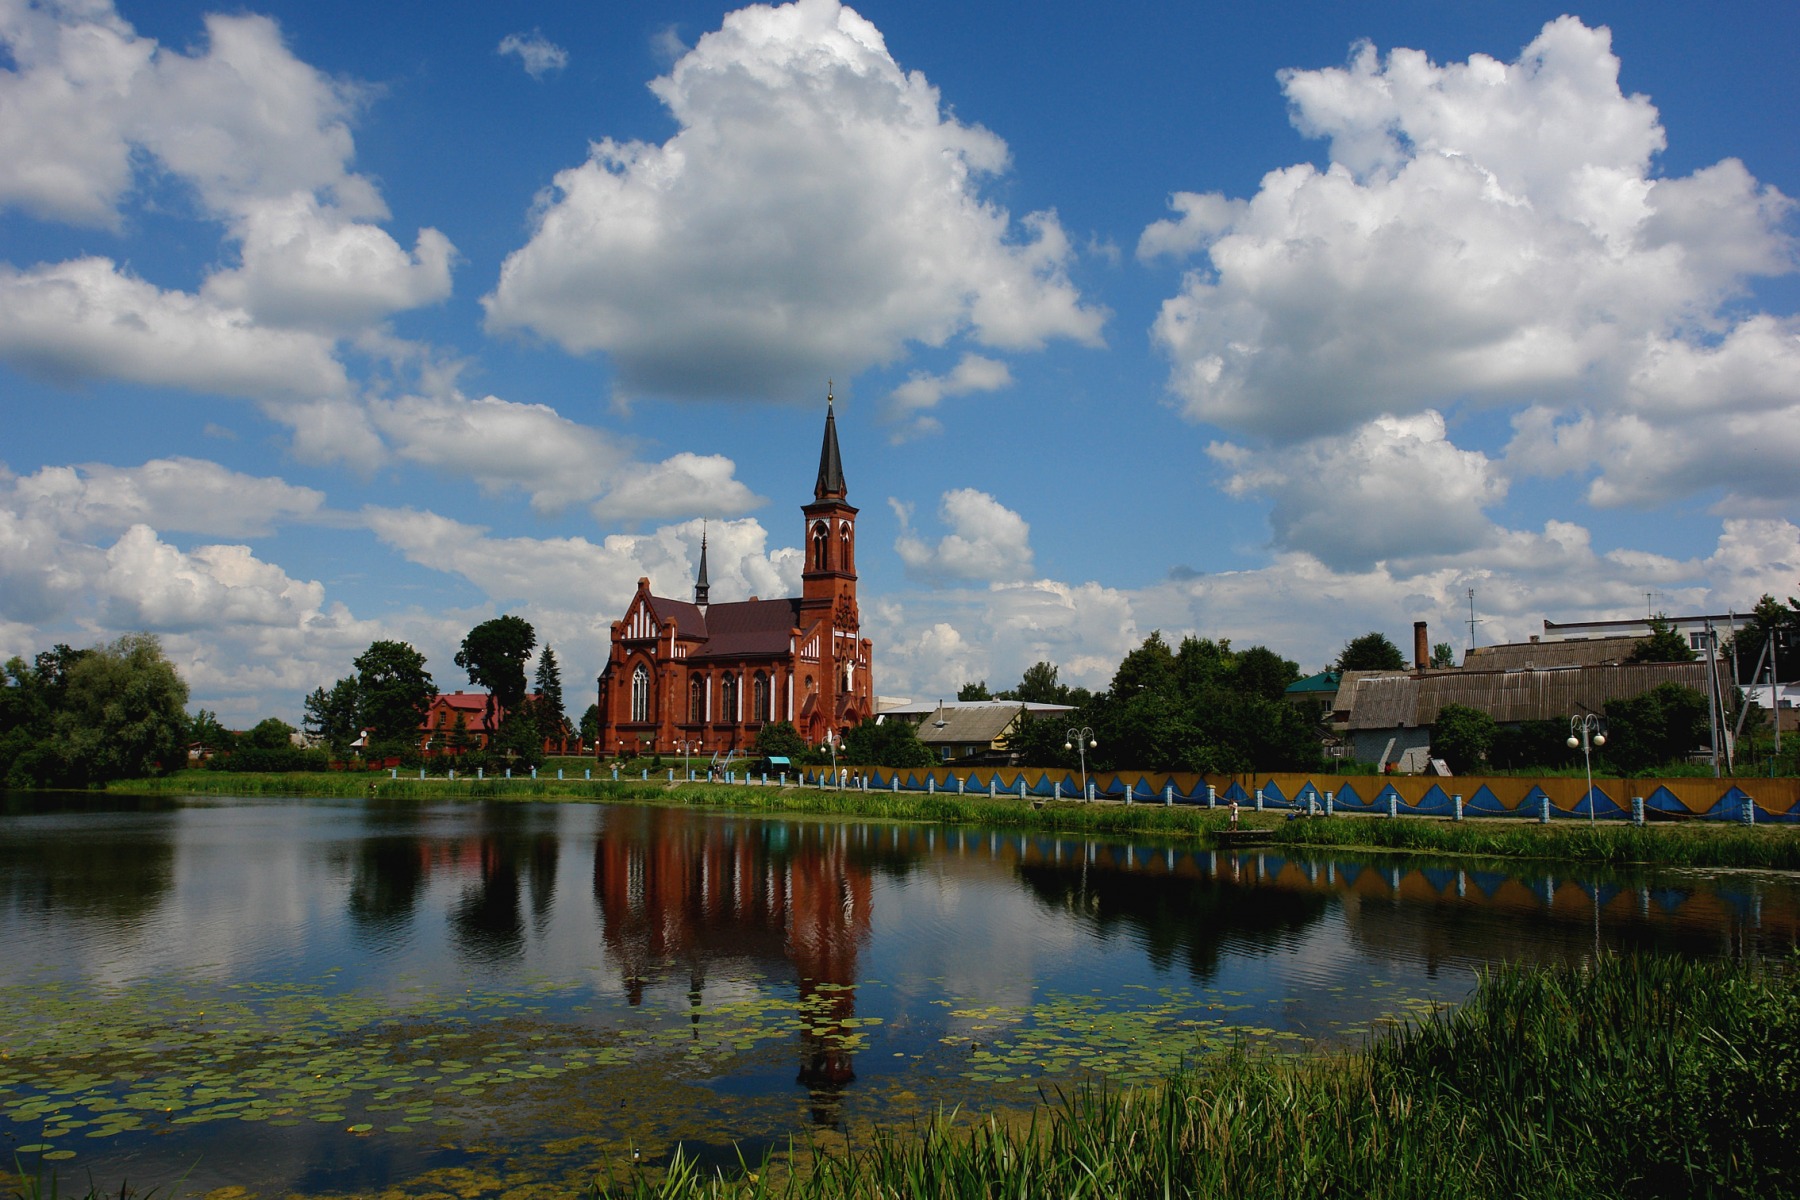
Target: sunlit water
338, 996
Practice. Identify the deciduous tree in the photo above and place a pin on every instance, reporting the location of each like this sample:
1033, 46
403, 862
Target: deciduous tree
394, 691
1370, 652
494, 653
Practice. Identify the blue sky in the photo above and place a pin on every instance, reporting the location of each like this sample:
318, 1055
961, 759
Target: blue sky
325, 322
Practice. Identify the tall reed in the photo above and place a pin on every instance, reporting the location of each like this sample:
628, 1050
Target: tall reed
1649, 1077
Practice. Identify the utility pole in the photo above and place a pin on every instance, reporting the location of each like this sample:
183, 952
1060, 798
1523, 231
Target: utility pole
1472, 621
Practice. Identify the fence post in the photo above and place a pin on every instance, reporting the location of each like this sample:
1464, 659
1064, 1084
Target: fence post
1637, 810
1750, 803
534, 773
894, 782
1130, 792
452, 773
1168, 795
587, 773
1090, 790
393, 772
1330, 803
1212, 796
991, 795
481, 772
559, 772
646, 774
509, 772
1021, 785
1258, 799
1459, 806
1544, 811
1393, 804
421, 773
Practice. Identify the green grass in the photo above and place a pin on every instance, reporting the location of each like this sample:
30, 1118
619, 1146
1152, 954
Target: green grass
1690, 844
1710, 844
1632, 1077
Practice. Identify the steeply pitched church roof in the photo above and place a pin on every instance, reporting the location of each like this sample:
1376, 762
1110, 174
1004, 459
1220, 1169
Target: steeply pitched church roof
831, 465
689, 619
750, 627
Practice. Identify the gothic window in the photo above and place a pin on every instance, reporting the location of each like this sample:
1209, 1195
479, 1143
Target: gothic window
696, 699
640, 693
844, 552
759, 697
728, 692
821, 546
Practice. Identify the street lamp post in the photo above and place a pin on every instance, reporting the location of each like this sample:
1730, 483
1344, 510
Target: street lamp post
831, 745
1581, 729
1082, 740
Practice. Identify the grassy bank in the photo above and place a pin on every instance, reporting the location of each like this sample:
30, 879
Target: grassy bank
1644, 1078
1712, 844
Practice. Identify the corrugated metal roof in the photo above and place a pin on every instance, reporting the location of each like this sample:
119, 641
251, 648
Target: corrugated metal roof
959, 726
1510, 696
1581, 652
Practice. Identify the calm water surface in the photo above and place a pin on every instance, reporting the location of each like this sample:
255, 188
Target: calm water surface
344, 997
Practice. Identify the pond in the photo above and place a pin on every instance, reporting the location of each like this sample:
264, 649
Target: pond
351, 997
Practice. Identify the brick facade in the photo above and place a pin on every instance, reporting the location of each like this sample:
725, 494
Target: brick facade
705, 678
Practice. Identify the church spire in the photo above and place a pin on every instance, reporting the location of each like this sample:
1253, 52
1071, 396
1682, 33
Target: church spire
701, 587
831, 467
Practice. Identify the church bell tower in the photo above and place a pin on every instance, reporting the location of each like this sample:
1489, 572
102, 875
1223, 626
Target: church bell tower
828, 587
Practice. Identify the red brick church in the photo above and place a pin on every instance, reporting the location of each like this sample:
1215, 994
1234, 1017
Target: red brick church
702, 678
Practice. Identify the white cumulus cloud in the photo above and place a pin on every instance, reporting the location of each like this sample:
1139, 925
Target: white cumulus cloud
815, 212
987, 540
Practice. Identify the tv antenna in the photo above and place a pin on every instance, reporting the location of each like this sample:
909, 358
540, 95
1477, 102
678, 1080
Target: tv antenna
1473, 620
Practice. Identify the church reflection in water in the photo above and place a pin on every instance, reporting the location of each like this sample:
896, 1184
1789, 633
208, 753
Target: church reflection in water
678, 895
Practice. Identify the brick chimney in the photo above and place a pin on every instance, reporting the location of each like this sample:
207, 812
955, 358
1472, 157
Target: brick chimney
1421, 647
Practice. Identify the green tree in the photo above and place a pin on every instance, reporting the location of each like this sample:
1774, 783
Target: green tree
1443, 656
973, 691
1662, 725
1769, 619
1462, 736
394, 691
1262, 672
1039, 686
333, 717
779, 739
204, 727
270, 733
1370, 652
1663, 645
1530, 744
494, 653
552, 718
891, 743
116, 711
590, 724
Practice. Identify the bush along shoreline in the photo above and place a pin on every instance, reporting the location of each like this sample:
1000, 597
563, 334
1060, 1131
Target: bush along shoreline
1616, 843
1639, 1077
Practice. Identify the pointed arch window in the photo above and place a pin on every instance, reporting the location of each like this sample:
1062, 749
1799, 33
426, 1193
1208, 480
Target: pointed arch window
696, 700
845, 562
821, 540
759, 697
640, 693
728, 692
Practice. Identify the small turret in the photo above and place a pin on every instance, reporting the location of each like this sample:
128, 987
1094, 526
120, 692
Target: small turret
701, 587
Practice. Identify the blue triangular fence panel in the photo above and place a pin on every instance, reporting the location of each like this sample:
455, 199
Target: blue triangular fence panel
1434, 803
1483, 803
1349, 797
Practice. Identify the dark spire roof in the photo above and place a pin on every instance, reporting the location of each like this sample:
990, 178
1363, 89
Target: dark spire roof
701, 587
831, 466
